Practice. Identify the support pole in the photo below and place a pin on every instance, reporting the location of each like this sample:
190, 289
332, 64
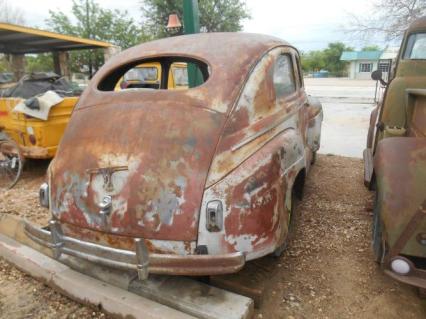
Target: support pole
18, 65
191, 21
191, 17
61, 64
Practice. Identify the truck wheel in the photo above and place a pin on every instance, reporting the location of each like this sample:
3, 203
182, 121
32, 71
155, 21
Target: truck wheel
291, 221
378, 243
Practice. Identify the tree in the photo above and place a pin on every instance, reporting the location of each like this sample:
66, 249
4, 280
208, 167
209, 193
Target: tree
332, 56
10, 14
42, 62
371, 48
94, 22
312, 61
327, 59
390, 18
215, 15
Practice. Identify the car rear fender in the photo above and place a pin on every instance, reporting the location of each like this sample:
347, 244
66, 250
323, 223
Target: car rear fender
255, 200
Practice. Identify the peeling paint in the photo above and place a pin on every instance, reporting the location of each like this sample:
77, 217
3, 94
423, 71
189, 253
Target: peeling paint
163, 155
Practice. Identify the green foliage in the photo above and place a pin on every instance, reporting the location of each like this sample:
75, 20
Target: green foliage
94, 22
215, 15
371, 48
327, 59
39, 63
4, 65
313, 61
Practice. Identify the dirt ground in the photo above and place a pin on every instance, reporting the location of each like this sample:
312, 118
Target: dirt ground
327, 272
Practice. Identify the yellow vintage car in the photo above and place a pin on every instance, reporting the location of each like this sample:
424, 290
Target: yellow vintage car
23, 136
39, 139
148, 75
36, 138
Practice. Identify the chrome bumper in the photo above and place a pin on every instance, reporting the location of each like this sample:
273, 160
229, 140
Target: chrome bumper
416, 278
140, 260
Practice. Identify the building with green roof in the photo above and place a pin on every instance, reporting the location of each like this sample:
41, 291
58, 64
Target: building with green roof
362, 63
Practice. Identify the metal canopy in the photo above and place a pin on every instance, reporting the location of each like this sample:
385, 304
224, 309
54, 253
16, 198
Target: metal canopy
15, 39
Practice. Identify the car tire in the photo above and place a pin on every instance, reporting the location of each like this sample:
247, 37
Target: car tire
378, 242
278, 252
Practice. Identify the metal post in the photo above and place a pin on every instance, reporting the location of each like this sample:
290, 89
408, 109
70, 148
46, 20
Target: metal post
191, 21
191, 17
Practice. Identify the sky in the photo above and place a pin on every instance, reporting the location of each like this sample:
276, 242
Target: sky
306, 24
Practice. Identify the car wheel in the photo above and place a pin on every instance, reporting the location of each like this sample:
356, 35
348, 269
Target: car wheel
291, 221
379, 247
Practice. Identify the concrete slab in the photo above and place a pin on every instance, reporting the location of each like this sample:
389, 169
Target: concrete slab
184, 294
252, 281
112, 300
194, 297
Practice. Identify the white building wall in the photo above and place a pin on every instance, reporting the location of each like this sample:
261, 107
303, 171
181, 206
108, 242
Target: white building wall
363, 75
352, 70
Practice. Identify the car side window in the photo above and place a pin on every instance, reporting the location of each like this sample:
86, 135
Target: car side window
284, 82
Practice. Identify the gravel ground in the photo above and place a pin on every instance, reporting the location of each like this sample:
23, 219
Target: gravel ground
327, 272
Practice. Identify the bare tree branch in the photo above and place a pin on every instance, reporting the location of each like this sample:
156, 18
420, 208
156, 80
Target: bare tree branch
390, 19
10, 14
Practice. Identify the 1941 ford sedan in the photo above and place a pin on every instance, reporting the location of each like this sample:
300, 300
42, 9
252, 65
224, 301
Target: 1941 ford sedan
195, 181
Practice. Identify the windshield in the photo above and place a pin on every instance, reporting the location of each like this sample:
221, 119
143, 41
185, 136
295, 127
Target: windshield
141, 74
416, 47
180, 76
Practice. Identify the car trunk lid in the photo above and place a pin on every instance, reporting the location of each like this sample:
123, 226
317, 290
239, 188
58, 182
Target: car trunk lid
150, 159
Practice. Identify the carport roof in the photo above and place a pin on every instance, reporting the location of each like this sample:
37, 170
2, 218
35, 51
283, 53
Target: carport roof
15, 39
360, 55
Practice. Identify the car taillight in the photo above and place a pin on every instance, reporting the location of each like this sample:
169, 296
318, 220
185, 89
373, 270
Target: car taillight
44, 195
214, 218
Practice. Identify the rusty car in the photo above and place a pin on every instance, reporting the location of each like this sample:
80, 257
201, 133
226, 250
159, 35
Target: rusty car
395, 164
195, 181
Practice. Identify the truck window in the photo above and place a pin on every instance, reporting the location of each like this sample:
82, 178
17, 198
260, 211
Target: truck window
416, 47
284, 76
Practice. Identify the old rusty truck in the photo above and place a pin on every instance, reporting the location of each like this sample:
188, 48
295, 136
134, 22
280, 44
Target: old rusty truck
395, 164
195, 181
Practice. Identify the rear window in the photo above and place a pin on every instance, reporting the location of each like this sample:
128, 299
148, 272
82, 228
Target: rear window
416, 47
163, 73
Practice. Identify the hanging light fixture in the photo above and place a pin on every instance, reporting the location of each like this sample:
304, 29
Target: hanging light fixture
174, 25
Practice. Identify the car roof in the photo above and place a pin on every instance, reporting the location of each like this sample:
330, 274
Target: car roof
230, 56
208, 46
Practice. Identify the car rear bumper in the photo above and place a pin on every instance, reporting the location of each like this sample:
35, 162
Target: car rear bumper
140, 260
